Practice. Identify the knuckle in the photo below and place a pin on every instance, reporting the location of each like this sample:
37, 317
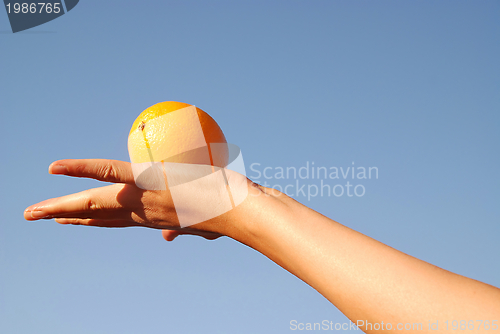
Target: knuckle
108, 172
79, 169
90, 204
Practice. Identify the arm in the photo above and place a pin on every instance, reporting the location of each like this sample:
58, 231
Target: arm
364, 278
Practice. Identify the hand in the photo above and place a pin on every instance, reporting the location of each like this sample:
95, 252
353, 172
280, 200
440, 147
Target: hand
122, 204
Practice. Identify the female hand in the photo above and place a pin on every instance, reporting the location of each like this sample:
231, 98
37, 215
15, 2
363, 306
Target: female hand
122, 204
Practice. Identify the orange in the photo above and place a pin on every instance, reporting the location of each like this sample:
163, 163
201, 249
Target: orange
177, 132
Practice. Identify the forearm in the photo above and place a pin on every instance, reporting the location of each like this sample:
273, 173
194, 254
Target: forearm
364, 278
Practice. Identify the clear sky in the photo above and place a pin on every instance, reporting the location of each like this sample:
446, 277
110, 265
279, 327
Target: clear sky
411, 88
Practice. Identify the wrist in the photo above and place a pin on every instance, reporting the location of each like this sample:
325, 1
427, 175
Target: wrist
256, 222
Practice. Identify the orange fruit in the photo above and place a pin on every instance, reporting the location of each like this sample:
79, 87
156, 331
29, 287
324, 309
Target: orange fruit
177, 132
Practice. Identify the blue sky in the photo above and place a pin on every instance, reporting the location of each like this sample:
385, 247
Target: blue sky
411, 88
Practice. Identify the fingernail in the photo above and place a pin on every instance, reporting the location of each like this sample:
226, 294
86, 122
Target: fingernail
38, 214
58, 169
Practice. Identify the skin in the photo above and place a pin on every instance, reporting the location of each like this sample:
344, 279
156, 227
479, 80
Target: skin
363, 278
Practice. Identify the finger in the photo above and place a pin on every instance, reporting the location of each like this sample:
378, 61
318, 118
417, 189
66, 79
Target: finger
98, 203
170, 235
96, 222
98, 214
100, 169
